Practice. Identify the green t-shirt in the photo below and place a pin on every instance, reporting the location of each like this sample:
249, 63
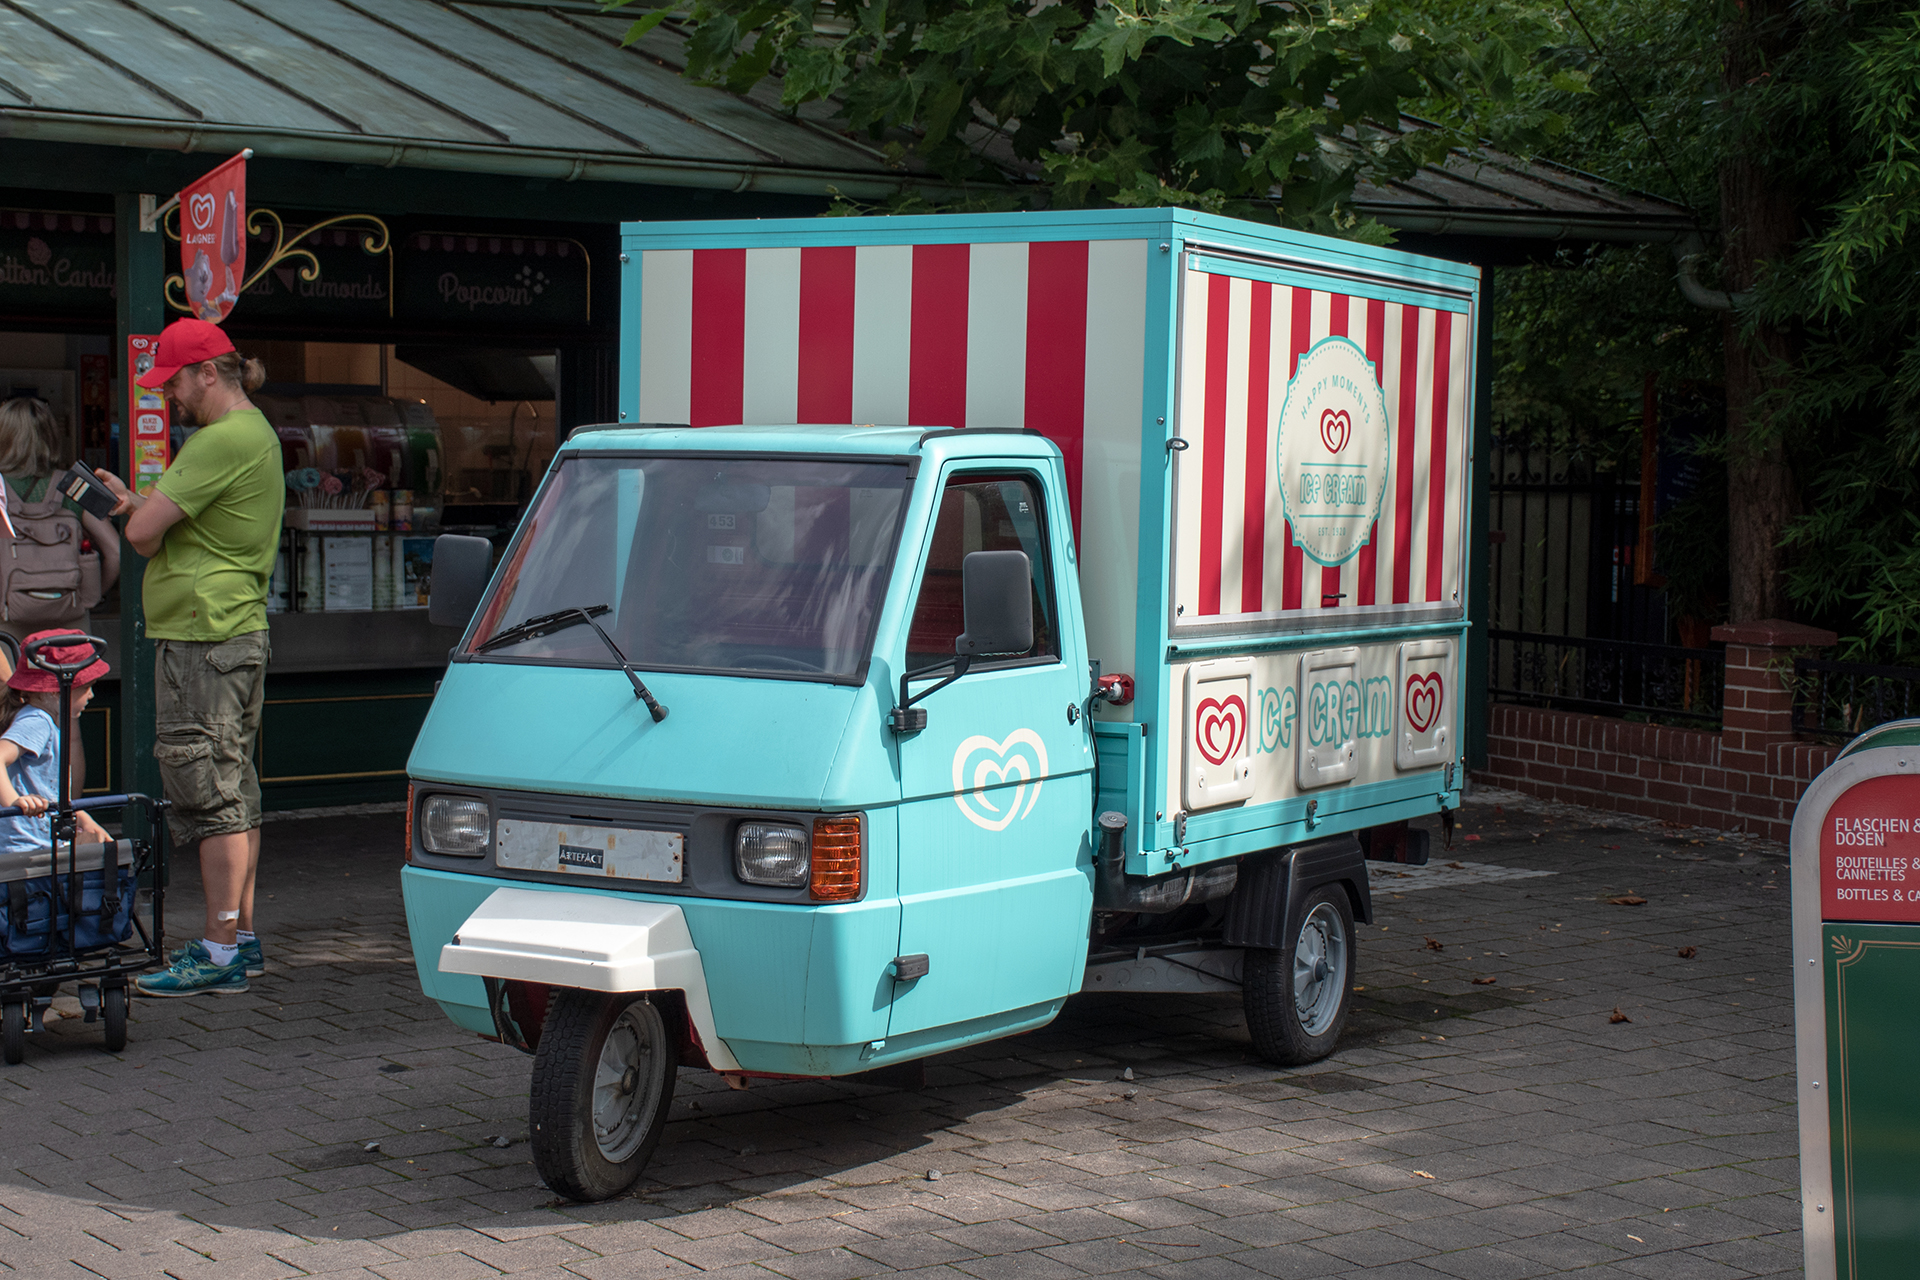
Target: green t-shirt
209, 581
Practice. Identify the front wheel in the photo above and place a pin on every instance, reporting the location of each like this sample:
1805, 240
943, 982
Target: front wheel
1297, 998
602, 1083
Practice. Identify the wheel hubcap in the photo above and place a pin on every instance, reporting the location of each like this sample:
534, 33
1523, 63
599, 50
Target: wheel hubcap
623, 1087
1319, 969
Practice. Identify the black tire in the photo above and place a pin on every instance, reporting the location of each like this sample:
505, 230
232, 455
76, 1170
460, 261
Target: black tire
113, 1009
602, 1085
13, 1031
1297, 998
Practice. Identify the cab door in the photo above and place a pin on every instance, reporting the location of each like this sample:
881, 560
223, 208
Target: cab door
995, 880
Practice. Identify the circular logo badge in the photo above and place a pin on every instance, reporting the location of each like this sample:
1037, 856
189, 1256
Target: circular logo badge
1332, 451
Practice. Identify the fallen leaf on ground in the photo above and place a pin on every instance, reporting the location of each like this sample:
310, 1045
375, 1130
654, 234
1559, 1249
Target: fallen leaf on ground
1434, 944
1687, 953
1422, 1173
1483, 982
1473, 837
1628, 900
1617, 1016
1458, 866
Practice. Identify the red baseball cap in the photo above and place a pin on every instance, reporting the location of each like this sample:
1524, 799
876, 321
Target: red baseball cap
182, 343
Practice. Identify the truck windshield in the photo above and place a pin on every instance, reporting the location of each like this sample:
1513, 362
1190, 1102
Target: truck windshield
762, 566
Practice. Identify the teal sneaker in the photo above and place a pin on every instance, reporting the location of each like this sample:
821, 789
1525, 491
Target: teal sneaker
193, 973
251, 958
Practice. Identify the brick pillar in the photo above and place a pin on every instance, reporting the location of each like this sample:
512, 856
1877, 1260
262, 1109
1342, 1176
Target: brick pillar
1759, 711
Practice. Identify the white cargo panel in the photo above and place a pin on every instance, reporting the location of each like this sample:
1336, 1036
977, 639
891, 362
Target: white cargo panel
1324, 718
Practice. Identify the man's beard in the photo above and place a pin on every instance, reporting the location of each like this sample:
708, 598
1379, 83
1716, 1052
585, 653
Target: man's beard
185, 415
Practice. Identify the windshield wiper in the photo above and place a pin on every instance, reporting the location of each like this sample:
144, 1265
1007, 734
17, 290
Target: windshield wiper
548, 623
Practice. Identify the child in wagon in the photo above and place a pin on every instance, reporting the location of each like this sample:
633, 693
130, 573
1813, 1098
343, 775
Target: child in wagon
30, 746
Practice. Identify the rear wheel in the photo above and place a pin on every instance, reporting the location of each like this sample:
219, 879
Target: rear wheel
1297, 998
113, 1009
602, 1083
13, 1031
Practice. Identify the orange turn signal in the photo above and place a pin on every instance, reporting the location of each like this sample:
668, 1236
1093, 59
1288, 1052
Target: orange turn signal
837, 859
408, 856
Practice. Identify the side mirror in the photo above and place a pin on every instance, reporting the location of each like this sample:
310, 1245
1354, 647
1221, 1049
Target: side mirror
461, 567
996, 590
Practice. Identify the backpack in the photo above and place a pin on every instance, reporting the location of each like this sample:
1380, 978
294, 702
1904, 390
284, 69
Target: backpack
45, 578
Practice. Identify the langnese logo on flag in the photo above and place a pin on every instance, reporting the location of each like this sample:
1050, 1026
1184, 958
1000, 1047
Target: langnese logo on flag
213, 239
1333, 451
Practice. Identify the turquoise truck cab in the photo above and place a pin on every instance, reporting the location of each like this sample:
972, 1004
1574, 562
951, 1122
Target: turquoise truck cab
809, 750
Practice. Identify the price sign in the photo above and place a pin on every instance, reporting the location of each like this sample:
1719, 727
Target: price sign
147, 435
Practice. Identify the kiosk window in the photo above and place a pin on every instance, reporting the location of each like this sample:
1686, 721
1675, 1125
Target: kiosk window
981, 513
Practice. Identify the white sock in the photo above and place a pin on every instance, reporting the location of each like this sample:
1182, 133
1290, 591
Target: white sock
222, 952
244, 935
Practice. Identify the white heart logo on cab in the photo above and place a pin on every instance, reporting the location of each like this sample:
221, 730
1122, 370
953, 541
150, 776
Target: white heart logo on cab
981, 763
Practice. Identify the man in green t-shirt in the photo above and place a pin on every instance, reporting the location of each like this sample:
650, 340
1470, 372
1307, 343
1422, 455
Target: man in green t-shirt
211, 527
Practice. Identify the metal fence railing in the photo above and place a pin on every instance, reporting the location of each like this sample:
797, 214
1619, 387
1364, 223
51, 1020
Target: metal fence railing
1658, 682
1833, 701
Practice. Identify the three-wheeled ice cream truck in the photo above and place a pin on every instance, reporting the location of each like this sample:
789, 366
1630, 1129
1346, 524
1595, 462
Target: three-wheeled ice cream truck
786, 745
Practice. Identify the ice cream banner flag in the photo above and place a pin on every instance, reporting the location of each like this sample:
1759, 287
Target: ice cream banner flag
213, 239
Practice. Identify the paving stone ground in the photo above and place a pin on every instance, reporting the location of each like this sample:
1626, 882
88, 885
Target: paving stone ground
1464, 1131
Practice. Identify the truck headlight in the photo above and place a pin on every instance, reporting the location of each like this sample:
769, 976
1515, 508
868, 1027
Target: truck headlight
772, 853
455, 825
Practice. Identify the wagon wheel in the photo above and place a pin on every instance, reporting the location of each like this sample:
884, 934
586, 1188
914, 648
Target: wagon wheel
13, 1031
113, 1008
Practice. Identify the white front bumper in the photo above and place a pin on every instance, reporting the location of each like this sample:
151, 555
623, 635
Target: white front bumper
588, 941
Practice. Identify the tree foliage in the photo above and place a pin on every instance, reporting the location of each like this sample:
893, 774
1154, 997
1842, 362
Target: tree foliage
1258, 109
1836, 120
1278, 110
1851, 291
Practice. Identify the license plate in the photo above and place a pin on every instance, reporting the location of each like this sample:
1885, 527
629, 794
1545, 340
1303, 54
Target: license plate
618, 853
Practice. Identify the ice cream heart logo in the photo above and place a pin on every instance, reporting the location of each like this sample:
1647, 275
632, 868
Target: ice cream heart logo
1424, 696
1336, 428
988, 775
1219, 727
200, 207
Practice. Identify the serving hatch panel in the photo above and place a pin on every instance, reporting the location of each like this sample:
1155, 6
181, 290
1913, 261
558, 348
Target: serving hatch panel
618, 853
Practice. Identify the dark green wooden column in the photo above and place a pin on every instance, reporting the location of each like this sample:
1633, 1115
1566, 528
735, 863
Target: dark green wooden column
139, 307
1479, 548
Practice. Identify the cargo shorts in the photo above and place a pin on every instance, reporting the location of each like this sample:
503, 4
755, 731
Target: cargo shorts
207, 699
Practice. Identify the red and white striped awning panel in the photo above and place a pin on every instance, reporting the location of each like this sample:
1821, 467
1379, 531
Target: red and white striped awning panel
1235, 556
931, 335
